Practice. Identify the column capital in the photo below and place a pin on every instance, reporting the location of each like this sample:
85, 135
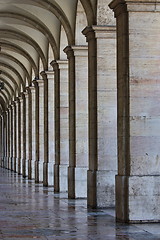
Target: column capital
38, 82
44, 75
69, 51
80, 50
22, 95
31, 89
9, 108
121, 6
13, 104
17, 100
54, 64
105, 32
28, 90
89, 33
26, 94
48, 75
62, 64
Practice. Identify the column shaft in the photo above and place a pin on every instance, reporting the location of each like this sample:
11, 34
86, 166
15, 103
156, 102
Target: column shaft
62, 160
49, 139
29, 130
18, 136
55, 66
72, 121
92, 116
15, 136
11, 138
36, 130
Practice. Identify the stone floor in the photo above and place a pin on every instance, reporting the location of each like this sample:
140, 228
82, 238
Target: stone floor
30, 211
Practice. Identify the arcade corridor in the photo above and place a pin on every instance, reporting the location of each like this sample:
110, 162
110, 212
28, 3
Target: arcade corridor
79, 114
31, 211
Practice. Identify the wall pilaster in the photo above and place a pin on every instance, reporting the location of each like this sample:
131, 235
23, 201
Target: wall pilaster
138, 176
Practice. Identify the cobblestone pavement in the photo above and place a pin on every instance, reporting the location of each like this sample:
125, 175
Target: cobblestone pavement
31, 211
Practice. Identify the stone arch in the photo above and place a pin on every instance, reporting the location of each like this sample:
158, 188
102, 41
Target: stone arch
7, 56
2, 103
34, 23
8, 84
21, 82
58, 12
6, 99
81, 23
90, 11
25, 38
63, 43
6, 74
20, 50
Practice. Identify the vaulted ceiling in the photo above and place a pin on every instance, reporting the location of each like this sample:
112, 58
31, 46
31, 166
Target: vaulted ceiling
31, 35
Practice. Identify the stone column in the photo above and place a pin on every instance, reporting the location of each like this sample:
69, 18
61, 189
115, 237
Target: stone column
49, 150
64, 126
11, 138
1, 148
8, 139
106, 115
18, 136
26, 137
35, 121
55, 66
45, 129
72, 121
138, 45
78, 168
4, 139
29, 138
92, 118
35, 112
40, 131
102, 115
23, 135
61, 170
14, 136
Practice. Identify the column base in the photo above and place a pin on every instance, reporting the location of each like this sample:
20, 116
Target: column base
33, 176
71, 182
2, 162
29, 169
24, 168
63, 178
19, 166
38, 171
8, 163
137, 199
12, 163
101, 188
48, 174
77, 182
56, 178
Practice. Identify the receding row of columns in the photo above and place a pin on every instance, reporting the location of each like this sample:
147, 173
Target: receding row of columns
71, 125
53, 130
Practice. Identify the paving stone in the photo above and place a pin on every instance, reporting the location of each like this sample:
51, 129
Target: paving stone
29, 211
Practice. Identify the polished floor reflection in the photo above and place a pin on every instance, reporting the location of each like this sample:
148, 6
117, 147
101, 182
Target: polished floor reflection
30, 211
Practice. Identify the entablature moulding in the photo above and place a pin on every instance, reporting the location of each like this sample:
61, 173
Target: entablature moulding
123, 6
